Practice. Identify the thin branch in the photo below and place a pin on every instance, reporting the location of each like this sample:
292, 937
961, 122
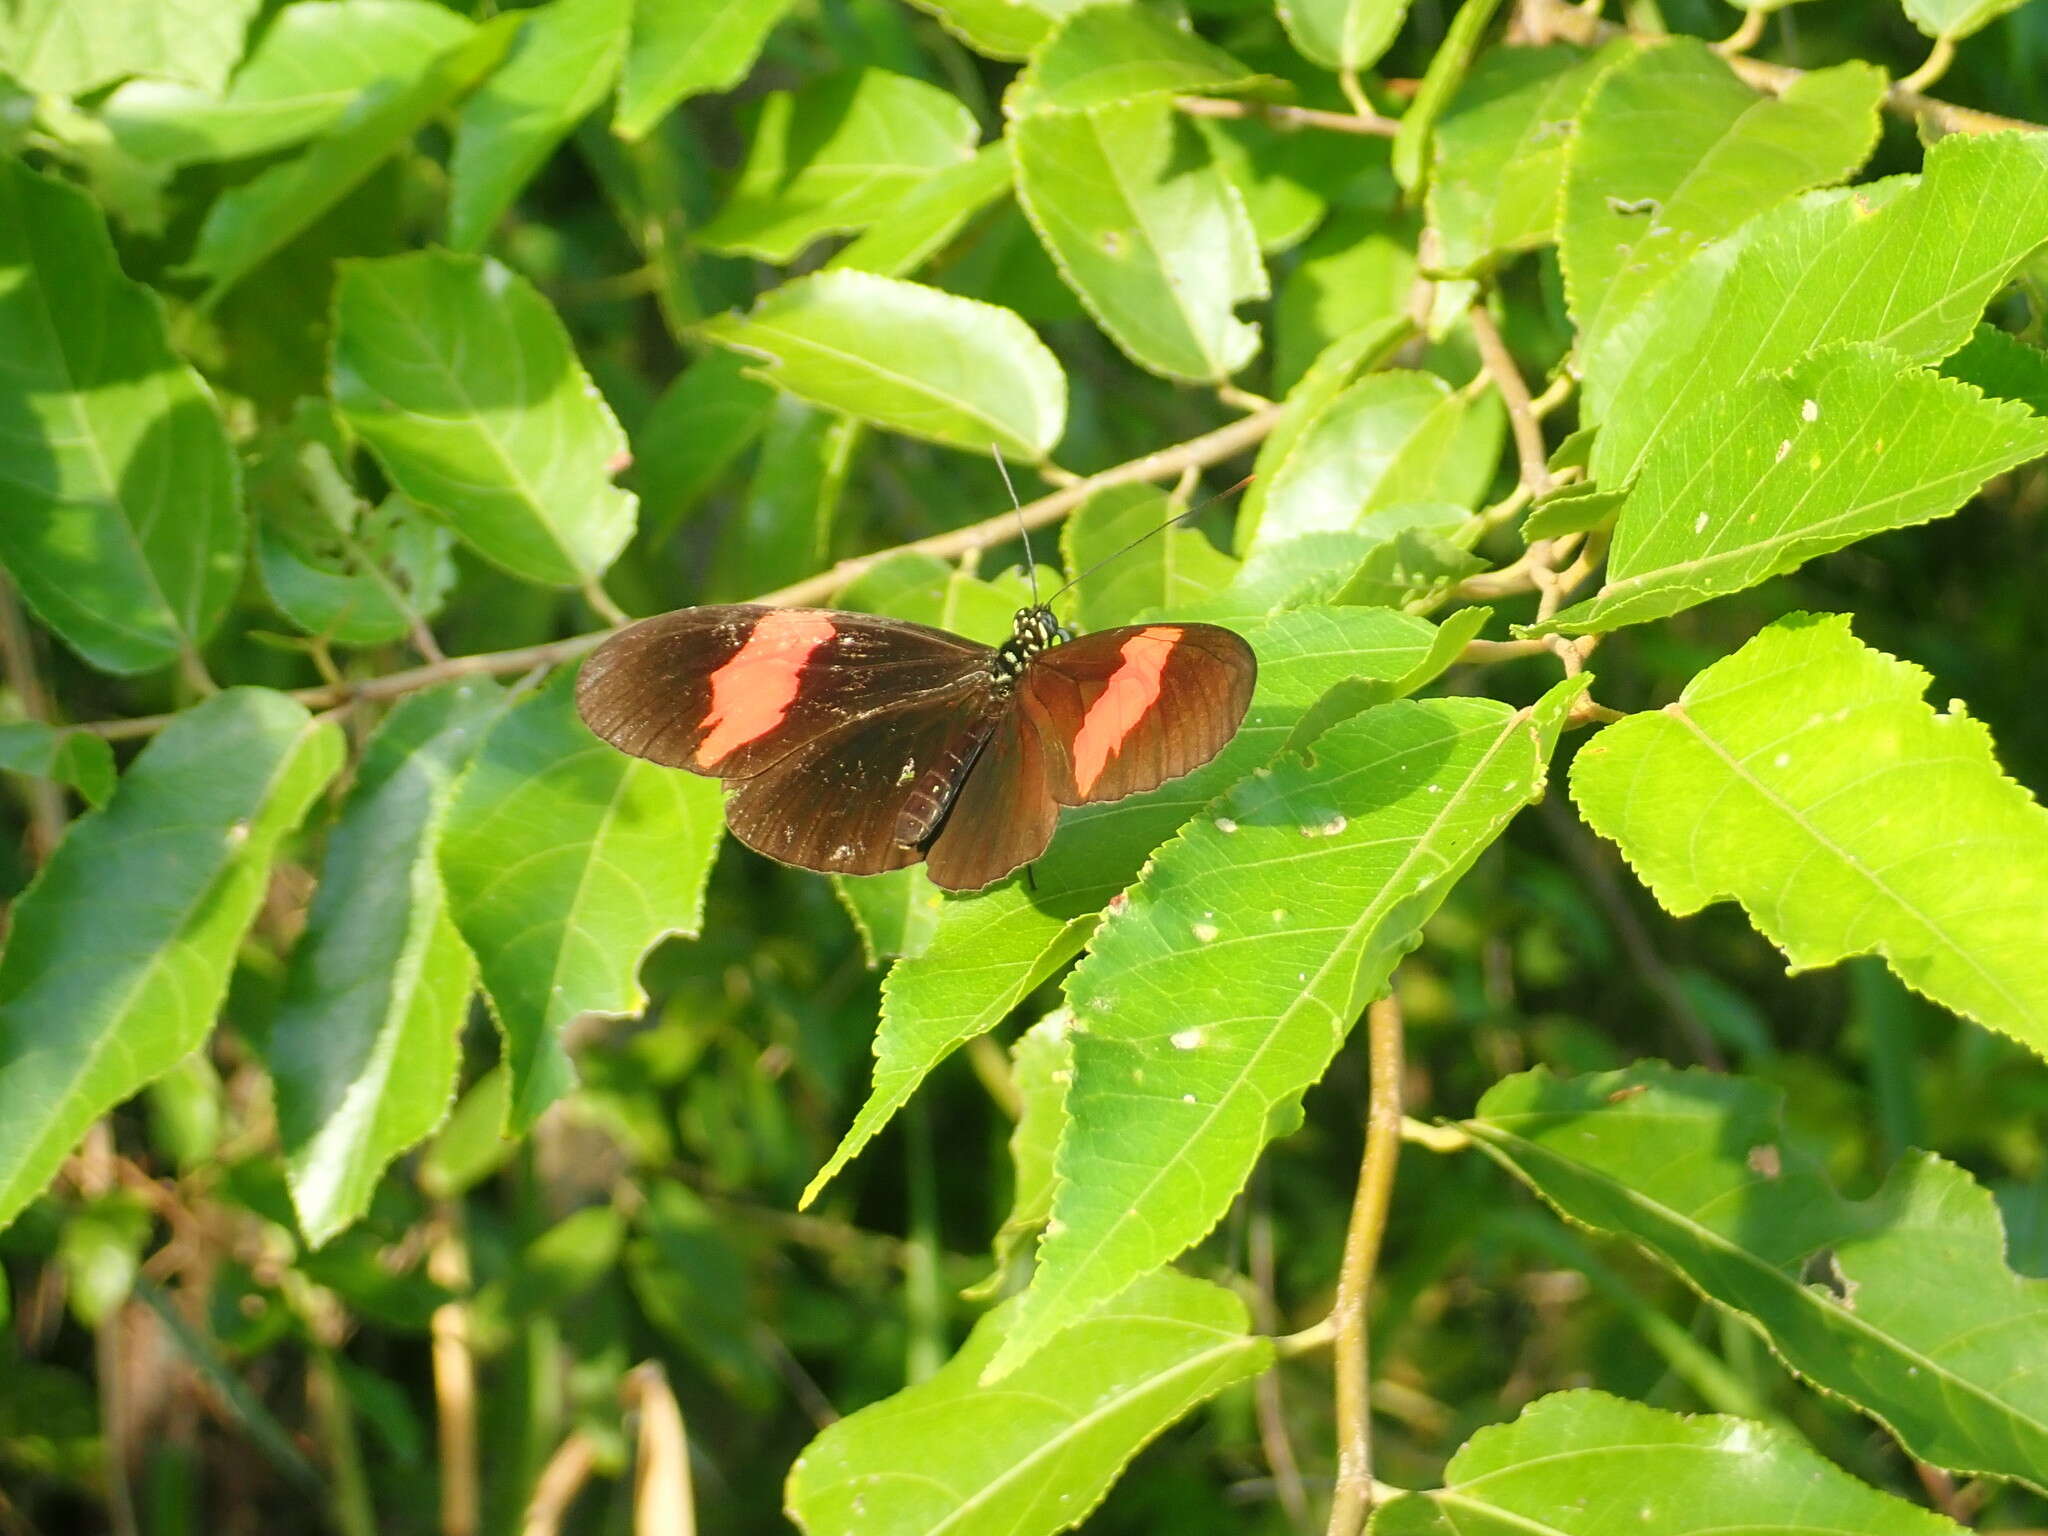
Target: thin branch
558, 1484
1368, 123
1746, 35
1936, 64
1268, 1403
1353, 1502
1548, 20
454, 1381
1514, 394
663, 1499
1210, 448
601, 603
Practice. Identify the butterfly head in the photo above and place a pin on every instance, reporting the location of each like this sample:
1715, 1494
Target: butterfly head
1034, 630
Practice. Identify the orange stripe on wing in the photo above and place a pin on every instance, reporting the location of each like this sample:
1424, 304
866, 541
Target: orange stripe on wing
1133, 688
752, 692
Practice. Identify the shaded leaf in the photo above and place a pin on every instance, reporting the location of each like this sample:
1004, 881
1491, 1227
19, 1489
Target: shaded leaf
1166, 575
461, 379
1146, 230
693, 1284
252, 222
836, 155
363, 1051
1343, 34
2003, 366
782, 529
567, 56
471, 1144
1106, 54
1041, 1067
565, 862
78, 758
1586, 1464
1765, 477
994, 946
1919, 1322
1674, 152
930, 215
1037, 1452
1284, 178
683, 48
124, 523
310, 64
118, 954
66, 48
1293, 899
708, 416
908, 358
1572, 508
1907, 263
1850, 819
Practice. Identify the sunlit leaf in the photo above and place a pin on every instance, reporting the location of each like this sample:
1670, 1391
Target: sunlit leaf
1957, 18
118, 955
1414, 143
1586, 1464
1343, 34
1041, 1067
685, 48
1284, 177
1848, 818
930, 215
1147, 231
1036, 1452
909, 358
565, 862
1107, 54
1673, 152
1915, 1317
1769, 475
310, 64
363, 1050
124, 523
1293, 898
836, 155
67, 47
78, 758
567, 56
994, 946
1002, 29
461, 379
1906, 263
1165, 575
252, 222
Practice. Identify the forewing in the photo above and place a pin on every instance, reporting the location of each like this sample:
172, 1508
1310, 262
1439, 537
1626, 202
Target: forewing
1004, 814
862, 798
734, 689
1128, 709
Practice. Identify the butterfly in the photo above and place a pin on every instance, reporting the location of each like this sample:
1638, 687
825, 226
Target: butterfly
857, 744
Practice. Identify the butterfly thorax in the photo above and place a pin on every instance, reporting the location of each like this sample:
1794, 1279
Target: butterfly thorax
1035, 630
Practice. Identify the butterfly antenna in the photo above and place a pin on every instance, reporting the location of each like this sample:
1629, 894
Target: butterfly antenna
1024, 528
1179, 517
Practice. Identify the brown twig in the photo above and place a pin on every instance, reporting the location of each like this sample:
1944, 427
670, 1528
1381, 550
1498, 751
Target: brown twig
1210, 448
558, 1484
662, 1497
1353, 1501
454, 1382
1747, 34
1514, 394
1268, 1402
1370, 124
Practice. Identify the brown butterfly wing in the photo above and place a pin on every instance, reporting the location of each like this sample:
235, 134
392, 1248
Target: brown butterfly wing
732, 689
1005, 813
1127, 709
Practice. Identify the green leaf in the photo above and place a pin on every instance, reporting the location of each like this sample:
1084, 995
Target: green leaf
352, 574
1293, 899
78, 758
124, 521
1041, 1067
2003, 366
1146, 230
363, 1051
1343, 34
1918, 1320
692, 1282
1907, 263
1414, 143
461, 379
994, 946
1501, 149
470, 1145
1765, 477
1169, 573
1002, 29
563, 65
683, 48
1036, 1453
837, 155
908, 358
66, 48
930, 215
565, 862
1586, 1464
1114, 53
1574, 508
1955, 19
118, 954
782, 530
1674, 152
1849, 818
1391, 438
312, 61
708, 416
252, 222
1283, 177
